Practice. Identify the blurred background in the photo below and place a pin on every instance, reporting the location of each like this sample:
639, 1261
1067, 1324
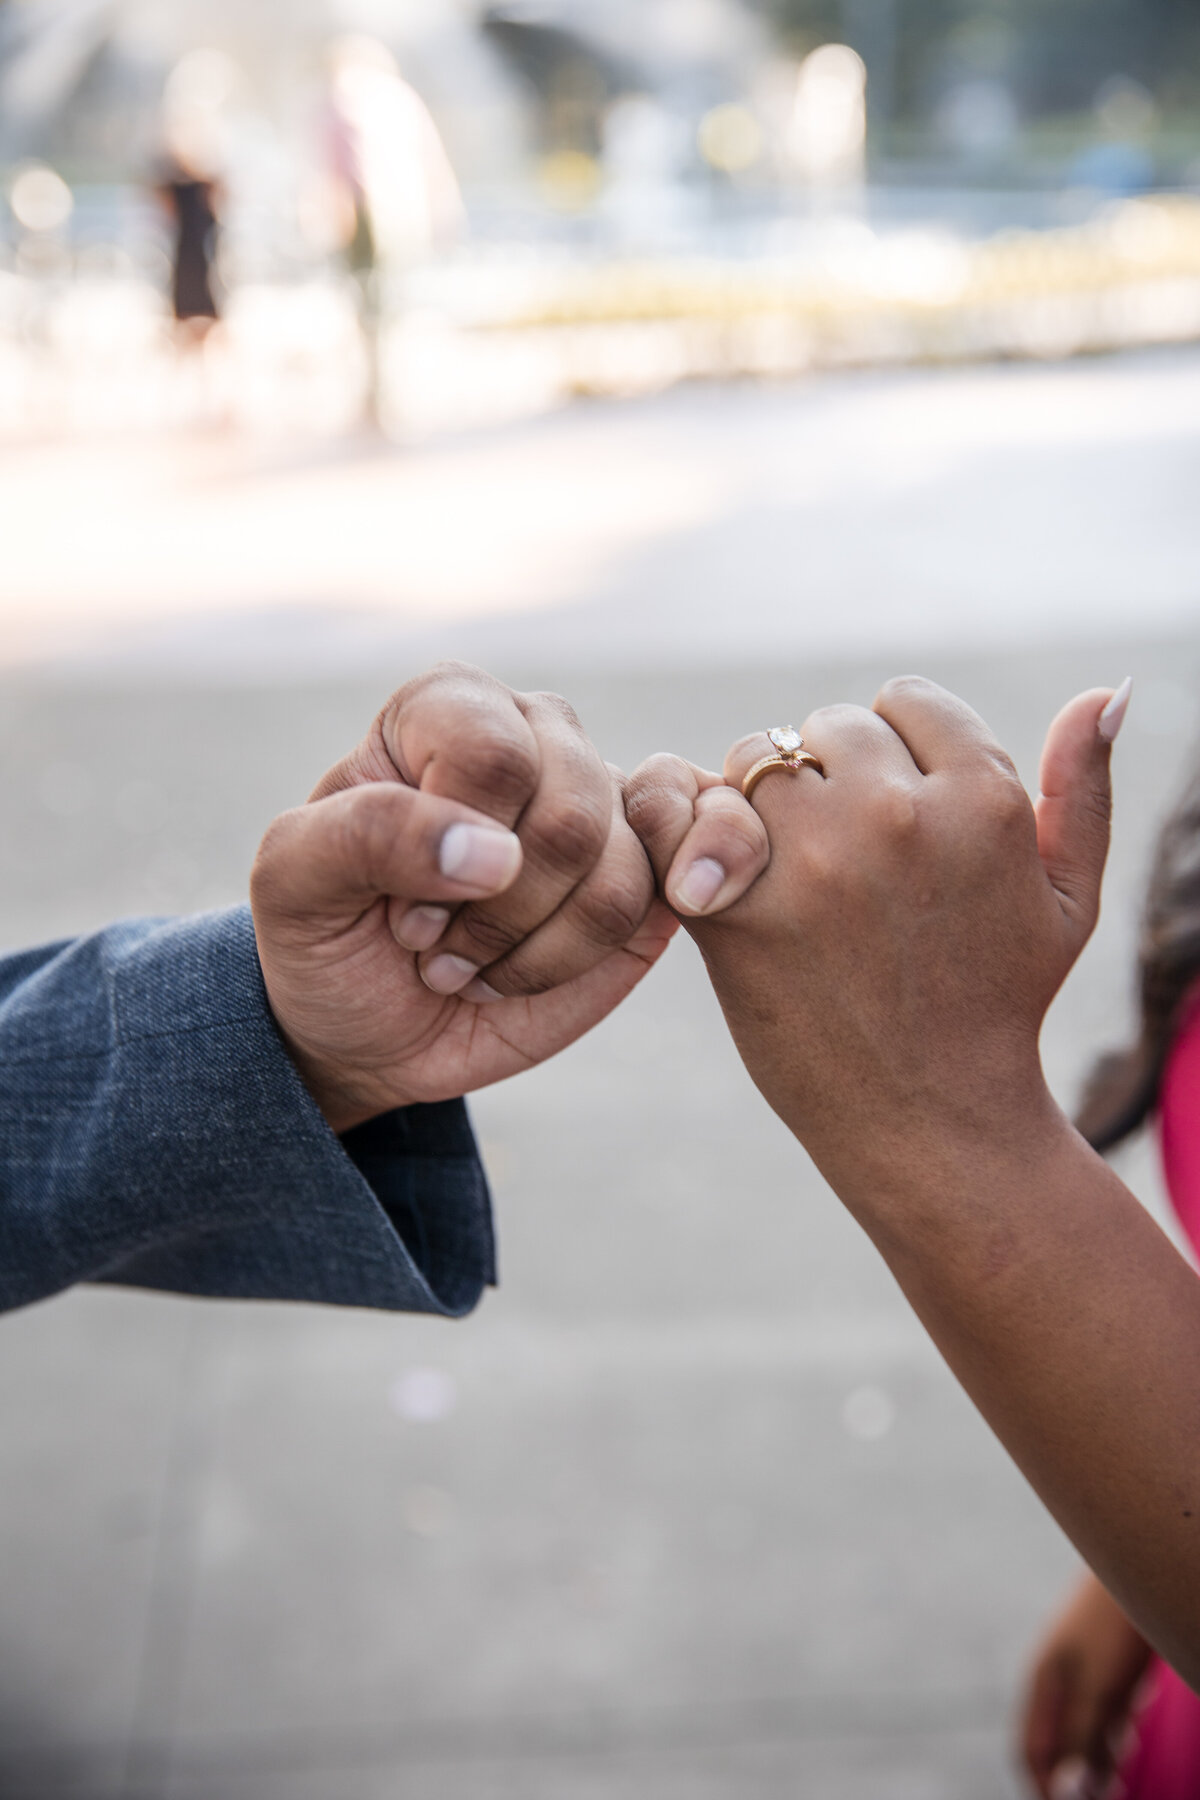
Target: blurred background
704, 361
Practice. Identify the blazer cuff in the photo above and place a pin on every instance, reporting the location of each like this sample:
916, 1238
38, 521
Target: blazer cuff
237, 1186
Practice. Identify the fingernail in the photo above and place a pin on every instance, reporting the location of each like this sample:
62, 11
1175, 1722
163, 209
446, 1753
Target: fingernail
448, 974
1113, 716
479, 855
421, 927
480, 992
701, 885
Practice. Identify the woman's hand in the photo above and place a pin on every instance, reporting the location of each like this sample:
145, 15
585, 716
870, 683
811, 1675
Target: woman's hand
1080, 1693
885, 979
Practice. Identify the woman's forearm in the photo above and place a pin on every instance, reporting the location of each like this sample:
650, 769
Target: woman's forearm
1074, 1325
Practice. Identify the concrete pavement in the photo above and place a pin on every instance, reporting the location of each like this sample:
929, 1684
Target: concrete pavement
688, 1511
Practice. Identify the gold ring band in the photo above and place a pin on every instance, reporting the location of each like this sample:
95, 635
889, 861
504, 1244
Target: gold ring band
799, 759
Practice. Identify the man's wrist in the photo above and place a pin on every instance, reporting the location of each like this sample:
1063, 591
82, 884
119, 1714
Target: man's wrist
344, 1104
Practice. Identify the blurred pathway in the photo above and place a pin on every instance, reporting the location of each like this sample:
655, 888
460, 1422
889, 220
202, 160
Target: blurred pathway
903, 512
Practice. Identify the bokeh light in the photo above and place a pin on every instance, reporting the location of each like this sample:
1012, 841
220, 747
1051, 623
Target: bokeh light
40, 199
730, 138
830, 120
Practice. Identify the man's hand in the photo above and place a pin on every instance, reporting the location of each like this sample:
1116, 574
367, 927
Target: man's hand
460, 899
886, 978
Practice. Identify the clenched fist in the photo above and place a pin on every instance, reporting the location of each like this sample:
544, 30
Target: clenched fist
460, 899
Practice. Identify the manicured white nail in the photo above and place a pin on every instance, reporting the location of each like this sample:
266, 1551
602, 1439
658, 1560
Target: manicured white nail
480, 855
421, 927
1113, 716
480, 993
448, 974
701, 885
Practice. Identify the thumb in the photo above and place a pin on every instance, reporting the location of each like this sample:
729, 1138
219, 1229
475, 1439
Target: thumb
326, 863
1075, 803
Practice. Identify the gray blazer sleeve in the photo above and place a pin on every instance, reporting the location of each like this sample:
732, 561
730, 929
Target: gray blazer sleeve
154, 1132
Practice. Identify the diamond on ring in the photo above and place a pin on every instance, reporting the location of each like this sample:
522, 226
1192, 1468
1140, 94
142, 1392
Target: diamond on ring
787, 752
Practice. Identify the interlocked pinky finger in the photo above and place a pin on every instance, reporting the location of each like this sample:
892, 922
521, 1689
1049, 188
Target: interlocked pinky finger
721, 856
706, 844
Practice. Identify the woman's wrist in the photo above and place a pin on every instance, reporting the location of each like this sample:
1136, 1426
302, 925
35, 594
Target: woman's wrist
922, 1170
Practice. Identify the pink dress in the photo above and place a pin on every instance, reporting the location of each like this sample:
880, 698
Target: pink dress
1165, 1763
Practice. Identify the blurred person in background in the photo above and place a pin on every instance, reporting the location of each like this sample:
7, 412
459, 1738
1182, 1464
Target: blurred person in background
394, 195
190, 189
1095, 1673
192, 200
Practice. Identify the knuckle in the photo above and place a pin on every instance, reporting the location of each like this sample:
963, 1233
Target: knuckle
652, 791
556, 704
827, 879
570, 834
1008, 801
897, 814
666, 768
449, 668
444, 697
442, 673
611, 911
999, 814
741, 835
524, 975
485, 935
502, 769
446, 672
904, 687
829, 718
